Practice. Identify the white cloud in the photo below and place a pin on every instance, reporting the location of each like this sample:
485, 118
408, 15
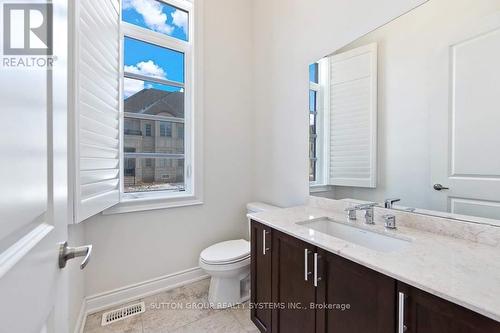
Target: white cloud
152, 14
148, 68
131, 87
180, 20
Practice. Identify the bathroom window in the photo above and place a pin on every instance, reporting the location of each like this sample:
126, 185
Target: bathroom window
149, 95
318, 123
318, 73
342, 134
313, 117
157, 98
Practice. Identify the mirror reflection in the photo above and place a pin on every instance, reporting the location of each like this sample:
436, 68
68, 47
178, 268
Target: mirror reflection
411, 112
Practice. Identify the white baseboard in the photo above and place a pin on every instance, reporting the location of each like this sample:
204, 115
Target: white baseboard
108, 299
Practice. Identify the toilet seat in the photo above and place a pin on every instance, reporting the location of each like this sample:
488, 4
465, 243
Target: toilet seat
227, 252
224, 262
225, 268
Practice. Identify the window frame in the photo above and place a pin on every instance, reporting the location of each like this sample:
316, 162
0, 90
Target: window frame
193, 194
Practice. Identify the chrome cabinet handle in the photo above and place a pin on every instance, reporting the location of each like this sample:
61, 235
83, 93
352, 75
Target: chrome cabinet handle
401, 313
306, 269
66, 252
264, 248
439, 187
316, 278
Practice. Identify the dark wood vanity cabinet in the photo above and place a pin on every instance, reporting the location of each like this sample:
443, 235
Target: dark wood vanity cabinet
261, 270
369, 295
426, 313
293, 282
297, 287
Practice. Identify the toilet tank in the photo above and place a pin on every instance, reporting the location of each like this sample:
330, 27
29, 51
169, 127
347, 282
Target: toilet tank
256, 207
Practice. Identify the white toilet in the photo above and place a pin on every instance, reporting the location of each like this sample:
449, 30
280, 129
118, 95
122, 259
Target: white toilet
228, 264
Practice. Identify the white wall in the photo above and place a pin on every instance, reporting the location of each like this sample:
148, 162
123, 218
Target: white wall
409, 49
289, 35
134, 247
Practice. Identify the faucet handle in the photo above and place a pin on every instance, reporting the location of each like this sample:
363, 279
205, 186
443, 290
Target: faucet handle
390, 221
388, 203
351, 213
369, 214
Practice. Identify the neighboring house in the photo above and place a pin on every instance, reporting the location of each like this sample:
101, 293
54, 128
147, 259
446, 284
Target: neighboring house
144, 135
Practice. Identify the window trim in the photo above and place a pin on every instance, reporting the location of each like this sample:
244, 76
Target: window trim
193, 131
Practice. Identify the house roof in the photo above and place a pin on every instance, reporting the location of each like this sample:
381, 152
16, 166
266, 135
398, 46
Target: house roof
156, 102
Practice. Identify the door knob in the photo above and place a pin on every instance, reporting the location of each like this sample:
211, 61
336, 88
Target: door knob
439, 187
66, 252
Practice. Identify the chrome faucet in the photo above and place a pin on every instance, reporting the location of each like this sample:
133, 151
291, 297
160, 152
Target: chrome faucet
367, 207
388, 203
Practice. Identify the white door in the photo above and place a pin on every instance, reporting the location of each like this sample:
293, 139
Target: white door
465, 113
33, 191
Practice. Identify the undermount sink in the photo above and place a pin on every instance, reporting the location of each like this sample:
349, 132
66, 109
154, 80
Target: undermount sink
372, 240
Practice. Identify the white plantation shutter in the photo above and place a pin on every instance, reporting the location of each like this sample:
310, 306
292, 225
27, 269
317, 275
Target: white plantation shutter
97, 105
353, 117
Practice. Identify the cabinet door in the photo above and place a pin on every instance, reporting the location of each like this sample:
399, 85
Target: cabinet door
370, 296
261, 270
426, 313
293, 285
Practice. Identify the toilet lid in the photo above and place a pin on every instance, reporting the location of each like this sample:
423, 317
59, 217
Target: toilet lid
228, 251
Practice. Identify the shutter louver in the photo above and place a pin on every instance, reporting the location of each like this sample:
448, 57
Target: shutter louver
353, 117
97, 102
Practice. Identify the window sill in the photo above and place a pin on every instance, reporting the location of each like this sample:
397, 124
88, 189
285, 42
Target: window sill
320, 188
128, 204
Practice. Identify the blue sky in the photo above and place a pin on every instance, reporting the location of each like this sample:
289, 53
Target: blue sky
152, 61
171, 62
313, 77
157, 16
313, 73
149, 59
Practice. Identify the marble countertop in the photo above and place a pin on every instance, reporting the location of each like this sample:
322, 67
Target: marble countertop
459, 270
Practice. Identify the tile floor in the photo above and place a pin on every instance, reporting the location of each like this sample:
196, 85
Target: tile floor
173, 312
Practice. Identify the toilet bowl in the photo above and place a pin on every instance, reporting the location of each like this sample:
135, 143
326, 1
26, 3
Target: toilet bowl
228, 264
